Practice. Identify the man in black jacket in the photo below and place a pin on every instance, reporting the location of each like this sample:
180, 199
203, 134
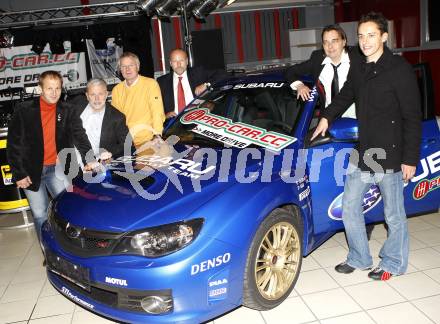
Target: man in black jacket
182, 84
387, 99
328, 67
105, 126
38, 131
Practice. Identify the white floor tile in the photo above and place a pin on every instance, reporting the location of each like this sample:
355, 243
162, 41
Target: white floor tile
430, 307
423, 259
2, 290
356, 318
356, 277
22, 291
14, 250
379, 232
340, 238
415, 244
314, 281
89, 318
240, 316
29, 274
291, 311
58, 319
52, 305
430, 237
437, 248
331, 303
416, 224
415, 285
374, 294
48, 290
16, 311
433, 219
309, 263
6, 276
17, 235
330, 256
329, 244
434, 274
404, 313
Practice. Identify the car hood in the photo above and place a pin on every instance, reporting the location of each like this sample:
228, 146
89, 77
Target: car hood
151, 189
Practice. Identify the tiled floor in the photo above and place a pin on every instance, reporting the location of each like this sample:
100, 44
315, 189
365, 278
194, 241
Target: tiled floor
321, 295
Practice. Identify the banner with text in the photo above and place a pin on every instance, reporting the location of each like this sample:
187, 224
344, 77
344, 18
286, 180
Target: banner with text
20, 68
104, 62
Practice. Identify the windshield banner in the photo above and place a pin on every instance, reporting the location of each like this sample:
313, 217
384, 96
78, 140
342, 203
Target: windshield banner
234, 134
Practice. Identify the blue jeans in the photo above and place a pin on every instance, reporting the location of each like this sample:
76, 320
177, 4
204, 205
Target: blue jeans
39, 200
394, 252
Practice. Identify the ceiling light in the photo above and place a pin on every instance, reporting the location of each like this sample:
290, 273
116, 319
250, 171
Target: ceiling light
167, 8
205, 8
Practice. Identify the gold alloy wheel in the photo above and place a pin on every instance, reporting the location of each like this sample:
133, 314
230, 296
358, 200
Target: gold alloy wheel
277, 260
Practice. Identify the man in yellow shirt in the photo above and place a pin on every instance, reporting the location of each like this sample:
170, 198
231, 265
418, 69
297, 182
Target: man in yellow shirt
140, 100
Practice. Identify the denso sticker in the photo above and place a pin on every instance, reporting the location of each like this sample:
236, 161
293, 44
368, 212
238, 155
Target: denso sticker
211, 263
235, 134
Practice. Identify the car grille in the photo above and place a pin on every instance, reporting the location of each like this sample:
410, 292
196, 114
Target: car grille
81, 241
129, 300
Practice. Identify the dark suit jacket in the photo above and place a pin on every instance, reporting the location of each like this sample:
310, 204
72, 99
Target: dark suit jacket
25, 146
387, 100
114, 129
313, 67
196, 76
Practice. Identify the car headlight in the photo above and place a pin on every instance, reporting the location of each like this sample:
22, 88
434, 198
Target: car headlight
160, 240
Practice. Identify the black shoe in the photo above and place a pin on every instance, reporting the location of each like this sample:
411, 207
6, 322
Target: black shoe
344, 267
379, 274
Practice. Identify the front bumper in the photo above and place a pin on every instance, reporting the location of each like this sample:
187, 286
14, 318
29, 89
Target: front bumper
113, 286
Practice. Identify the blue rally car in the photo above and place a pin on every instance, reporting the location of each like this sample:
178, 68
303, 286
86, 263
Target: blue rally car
220, 213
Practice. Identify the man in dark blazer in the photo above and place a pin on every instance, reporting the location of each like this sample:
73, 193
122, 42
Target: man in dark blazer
321, 65
386, 93
38, 131
105, 126
190, 82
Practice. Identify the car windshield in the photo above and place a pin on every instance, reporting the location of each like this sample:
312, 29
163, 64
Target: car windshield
247, 112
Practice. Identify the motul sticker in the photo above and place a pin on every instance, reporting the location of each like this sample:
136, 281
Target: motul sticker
424, 187
235, 134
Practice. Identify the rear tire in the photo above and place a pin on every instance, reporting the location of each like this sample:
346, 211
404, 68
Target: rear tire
274, 260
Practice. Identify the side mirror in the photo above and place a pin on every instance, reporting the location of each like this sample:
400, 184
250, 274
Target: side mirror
344, 130
341, 130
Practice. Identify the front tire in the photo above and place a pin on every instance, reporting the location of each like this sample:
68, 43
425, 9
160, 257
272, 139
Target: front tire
274, 260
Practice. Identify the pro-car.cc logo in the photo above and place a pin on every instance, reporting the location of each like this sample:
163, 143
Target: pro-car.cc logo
72, 231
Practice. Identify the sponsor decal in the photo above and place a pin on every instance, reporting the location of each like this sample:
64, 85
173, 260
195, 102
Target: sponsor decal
301, 183
116, 281
210, 264
218, 286
424, 187
6, 174
239, 134
430, 165
258, 85
371, 199
183, 167
75, 298
304, 194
